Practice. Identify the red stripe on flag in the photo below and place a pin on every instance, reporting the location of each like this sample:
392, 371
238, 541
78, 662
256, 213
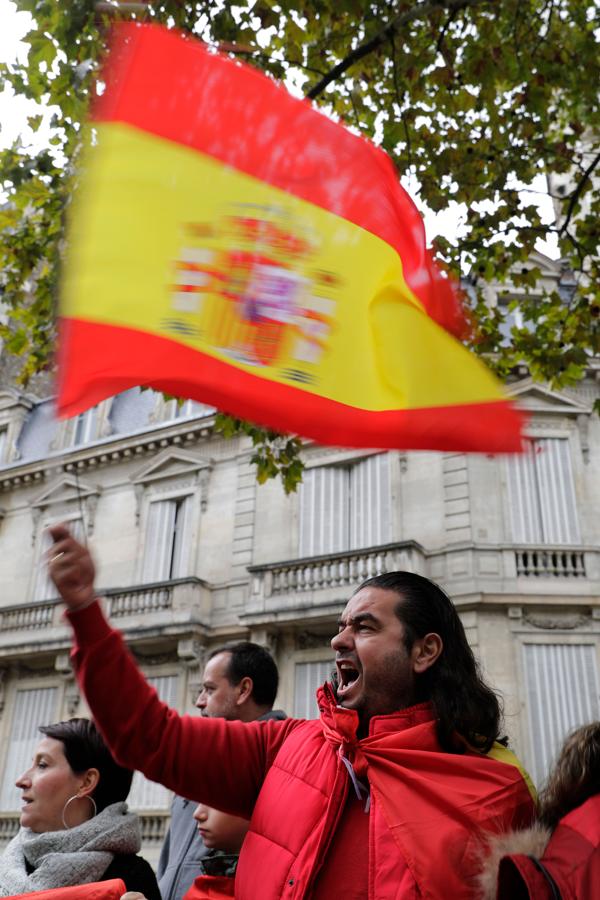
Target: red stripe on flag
98, 361
169, 85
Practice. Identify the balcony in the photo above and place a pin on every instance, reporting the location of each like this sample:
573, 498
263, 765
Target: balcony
153, 825
551, 562
162, 605
317, 586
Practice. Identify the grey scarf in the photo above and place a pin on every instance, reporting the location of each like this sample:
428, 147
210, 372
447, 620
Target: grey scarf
78, 855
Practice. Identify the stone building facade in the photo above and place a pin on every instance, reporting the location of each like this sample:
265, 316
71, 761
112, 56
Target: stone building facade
191, 553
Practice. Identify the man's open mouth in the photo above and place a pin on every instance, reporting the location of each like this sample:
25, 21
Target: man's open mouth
348, 675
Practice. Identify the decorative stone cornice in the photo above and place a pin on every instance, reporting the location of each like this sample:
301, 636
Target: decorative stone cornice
106, 452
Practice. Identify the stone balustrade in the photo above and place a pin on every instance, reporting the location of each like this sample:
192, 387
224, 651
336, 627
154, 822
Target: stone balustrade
560, 562
153, 825
33, 616
463, 569
139, 600
349, 568
9, 825
308, 585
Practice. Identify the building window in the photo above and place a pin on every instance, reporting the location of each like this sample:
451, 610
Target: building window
84, 427
541, 494
32, 708
308, 677
166, 552
147, 794
44, 588
345, 507
562, 693
186, 410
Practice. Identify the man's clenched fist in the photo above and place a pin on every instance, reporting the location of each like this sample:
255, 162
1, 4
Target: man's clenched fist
71, 568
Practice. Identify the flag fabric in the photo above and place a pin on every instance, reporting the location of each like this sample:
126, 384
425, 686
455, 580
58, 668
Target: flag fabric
113, 889
438, 806
231, 244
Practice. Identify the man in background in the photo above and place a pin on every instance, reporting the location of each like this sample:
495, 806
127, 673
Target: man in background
239, 682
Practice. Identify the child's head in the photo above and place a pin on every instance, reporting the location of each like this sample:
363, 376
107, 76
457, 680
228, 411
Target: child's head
219, 831
575, 777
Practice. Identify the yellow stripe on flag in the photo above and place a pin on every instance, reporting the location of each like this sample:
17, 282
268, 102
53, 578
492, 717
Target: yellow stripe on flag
503, 754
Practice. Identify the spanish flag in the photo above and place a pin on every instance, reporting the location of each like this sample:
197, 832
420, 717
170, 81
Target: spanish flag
231, 244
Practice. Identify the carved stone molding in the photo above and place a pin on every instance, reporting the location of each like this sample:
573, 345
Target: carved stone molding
67, 495
307, 640
72, 697
583, 423
3, 680
190, 651
556, 622
157, 659
97, 455
62, 664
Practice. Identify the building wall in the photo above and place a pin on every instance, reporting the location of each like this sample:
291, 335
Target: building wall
447, 516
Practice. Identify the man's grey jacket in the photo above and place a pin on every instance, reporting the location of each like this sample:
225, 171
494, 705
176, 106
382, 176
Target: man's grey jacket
183, 849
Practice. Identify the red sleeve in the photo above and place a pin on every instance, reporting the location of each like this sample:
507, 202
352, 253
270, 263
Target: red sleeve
219, 763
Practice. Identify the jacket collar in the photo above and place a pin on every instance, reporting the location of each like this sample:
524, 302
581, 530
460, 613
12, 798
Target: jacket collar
345, 721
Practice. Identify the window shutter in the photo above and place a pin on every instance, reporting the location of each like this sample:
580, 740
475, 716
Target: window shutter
523, 500
324, 511
541, 494
158, 549
562, 693
557, 492
182, 538
370, 503
147, 794
32, 708
84, 427
308, 677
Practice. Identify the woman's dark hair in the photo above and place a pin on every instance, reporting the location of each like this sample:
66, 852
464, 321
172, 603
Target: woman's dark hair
575, 777
85, 749
464, 704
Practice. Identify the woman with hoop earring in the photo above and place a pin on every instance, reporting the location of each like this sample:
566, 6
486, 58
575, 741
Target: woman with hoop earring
75, 826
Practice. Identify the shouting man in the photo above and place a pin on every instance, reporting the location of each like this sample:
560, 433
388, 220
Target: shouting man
389, 795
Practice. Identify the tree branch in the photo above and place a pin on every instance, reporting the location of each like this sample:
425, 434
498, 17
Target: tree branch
418, 10
577, 193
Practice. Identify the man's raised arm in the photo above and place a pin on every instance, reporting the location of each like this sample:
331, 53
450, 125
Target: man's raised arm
219, 763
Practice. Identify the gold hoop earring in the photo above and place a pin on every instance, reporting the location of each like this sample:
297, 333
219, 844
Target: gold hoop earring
78, 797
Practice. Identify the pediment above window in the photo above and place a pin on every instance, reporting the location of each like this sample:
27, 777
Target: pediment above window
546, 407
173, 470
9, 400
65, 496
537, 398
171, 464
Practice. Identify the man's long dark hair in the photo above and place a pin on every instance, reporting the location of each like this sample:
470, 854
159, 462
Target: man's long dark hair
464, 705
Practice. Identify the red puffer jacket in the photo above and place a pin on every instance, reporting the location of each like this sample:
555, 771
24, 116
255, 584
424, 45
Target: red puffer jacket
571, 860
428, 808
211, 887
